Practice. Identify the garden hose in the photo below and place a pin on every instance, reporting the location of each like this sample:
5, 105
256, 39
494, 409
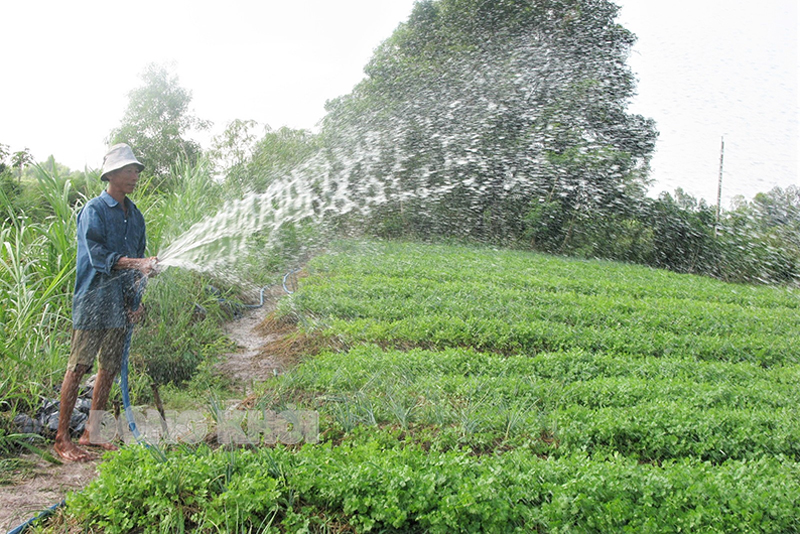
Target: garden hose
46, 513
261, 301
123, 386
123, 382
286, 277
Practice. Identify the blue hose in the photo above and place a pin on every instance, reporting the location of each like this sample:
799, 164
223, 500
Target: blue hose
126, 398
123, 385
261, 302
286, 277
46, 513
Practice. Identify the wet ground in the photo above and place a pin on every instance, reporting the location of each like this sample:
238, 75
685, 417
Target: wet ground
250, 364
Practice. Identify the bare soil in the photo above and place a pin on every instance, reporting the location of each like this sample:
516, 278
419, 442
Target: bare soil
251, 363
38, 484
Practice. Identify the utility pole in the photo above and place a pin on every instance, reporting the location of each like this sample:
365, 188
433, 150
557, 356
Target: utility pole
719, 187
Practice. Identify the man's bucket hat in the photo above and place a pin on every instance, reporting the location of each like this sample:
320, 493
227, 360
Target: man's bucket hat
118, 156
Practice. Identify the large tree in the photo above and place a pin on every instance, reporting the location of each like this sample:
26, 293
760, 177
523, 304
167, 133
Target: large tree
158, 121
474, 110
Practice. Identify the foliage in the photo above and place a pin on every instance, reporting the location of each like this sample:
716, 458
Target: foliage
530, 303
232, 150
759, 239
277, 154
249, 164
755, 242
379, 486
7, 183
20, 159
193, 196
37, 262
177, 337
157, 122
683, 235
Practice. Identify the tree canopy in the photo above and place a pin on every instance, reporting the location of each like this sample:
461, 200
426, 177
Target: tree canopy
158, 121
499, 104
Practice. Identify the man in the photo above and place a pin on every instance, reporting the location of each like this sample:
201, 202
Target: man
110, 269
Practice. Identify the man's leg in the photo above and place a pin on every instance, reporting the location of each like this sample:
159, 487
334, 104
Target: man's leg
69, 395
109, 359
102, 389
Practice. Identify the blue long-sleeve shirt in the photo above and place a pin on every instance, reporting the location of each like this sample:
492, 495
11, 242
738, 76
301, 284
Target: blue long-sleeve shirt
106, 233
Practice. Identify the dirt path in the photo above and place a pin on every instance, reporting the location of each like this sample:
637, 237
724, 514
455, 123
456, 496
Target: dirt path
250, 364
38, 484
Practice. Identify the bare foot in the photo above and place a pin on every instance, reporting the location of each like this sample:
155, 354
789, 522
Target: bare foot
105, 445
70, 452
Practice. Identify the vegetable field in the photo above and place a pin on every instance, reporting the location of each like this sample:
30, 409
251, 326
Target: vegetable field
465, 389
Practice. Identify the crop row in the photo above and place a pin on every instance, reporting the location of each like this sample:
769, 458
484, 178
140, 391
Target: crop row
571, 377
478, 266
642, 414
376, 486
573, 367
431, 304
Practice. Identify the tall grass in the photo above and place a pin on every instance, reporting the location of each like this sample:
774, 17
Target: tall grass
37, 263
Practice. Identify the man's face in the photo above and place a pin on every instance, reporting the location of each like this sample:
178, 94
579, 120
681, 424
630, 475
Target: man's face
125, 179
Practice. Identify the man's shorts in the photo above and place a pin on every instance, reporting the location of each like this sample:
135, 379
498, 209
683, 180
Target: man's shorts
105, 346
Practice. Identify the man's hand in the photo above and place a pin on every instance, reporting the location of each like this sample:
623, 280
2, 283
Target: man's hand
147, 266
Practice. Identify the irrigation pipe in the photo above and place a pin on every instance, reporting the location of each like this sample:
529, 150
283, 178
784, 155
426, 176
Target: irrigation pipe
126, 398
286, 277
252, 306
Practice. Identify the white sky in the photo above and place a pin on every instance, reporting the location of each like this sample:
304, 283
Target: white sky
706, 69
714, 68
